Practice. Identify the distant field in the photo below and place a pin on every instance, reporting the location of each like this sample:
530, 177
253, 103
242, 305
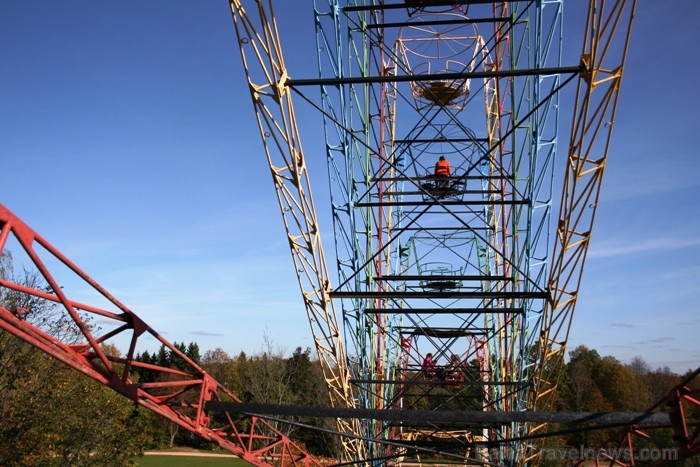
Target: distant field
188, 461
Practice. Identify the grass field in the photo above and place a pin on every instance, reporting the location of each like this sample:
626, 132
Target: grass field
188, 461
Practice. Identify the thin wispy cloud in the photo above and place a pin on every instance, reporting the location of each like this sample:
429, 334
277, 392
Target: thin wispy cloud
611, 346
624, 325
628, 186
627, 172
658, 340
207, 333
645, 246
679, 365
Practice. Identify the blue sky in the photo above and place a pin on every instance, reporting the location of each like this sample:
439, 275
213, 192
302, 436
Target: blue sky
128, 140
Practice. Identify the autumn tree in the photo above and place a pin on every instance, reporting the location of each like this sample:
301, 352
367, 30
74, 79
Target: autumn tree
269, 377
585, 390
603, 384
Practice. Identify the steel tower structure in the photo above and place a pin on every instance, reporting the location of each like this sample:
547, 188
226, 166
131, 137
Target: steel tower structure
457, 267
469, 268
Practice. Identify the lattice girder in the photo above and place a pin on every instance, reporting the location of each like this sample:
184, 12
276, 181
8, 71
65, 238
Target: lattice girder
177, 394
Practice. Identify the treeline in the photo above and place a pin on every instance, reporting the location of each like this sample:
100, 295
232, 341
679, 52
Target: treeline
268, 377
594, 383
52, 415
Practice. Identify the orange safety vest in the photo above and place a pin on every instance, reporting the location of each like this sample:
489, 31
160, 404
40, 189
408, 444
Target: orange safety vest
442, 168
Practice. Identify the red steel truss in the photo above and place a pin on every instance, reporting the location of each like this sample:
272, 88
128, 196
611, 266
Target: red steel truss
179, 394
649, 445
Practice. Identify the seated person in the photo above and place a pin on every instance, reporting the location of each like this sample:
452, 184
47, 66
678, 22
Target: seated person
442, 168
454, 369
429, 367
442, 173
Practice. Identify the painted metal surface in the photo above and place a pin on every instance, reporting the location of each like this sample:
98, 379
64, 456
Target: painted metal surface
605, 46
265, 70
665, 443
477, 83
458, 267
176, 393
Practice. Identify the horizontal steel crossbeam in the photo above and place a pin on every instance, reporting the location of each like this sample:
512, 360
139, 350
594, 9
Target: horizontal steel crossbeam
433, 76
599, 418
411, 277
417, 5
444, 202
430, 311
401, 24
446, 294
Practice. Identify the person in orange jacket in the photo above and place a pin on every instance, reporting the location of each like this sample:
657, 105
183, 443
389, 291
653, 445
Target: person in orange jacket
442, 172
442, 167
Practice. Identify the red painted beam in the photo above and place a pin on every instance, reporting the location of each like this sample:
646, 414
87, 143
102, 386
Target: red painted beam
681, 401
176, 394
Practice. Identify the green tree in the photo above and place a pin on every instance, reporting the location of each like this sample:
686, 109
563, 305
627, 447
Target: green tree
660, 382
192, 352
91, 424
163, 356
580, 385
51, 414
266, 376
303, 378
621, 388
307, 387
223, 368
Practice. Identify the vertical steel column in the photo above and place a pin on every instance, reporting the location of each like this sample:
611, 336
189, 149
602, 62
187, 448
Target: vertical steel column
265, 69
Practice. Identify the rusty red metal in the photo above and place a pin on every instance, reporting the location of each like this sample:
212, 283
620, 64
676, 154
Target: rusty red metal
178, 394
649, 445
